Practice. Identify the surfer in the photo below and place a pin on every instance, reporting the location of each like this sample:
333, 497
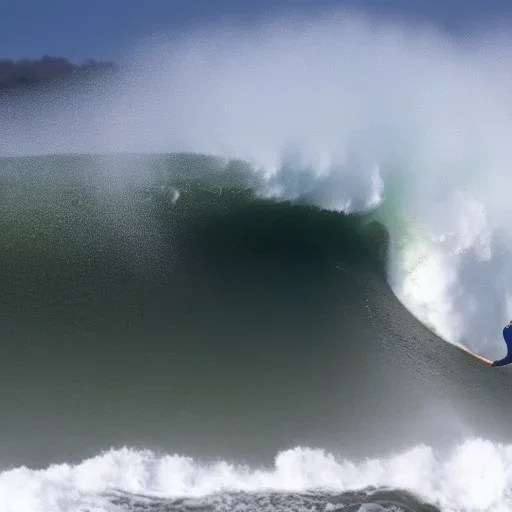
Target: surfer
507, 336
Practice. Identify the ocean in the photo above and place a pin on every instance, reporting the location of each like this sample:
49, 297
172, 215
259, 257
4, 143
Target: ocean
237, 280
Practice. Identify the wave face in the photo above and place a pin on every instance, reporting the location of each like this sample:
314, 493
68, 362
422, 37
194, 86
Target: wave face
194, 330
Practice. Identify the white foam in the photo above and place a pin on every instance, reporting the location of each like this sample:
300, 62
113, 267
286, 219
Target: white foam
476, 476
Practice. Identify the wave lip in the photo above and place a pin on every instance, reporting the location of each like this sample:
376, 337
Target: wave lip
476, 475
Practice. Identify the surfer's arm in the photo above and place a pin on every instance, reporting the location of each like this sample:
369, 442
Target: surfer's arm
502, 362
508, 340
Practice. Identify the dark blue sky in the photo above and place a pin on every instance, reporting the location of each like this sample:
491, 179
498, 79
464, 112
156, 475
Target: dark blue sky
79, 29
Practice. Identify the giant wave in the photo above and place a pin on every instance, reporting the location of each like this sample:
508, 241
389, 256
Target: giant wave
347, 111
406, 125
81, 252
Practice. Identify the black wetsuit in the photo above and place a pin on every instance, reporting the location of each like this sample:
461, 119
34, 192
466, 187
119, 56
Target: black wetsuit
507, 336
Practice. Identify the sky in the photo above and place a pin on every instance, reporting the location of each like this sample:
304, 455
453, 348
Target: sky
105, 29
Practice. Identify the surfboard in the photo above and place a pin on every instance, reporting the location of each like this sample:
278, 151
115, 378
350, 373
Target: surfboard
481, 358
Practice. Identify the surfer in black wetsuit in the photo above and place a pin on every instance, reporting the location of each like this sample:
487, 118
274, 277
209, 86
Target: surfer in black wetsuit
507, 336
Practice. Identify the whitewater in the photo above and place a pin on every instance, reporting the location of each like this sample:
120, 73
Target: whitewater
351, 114
475, 476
